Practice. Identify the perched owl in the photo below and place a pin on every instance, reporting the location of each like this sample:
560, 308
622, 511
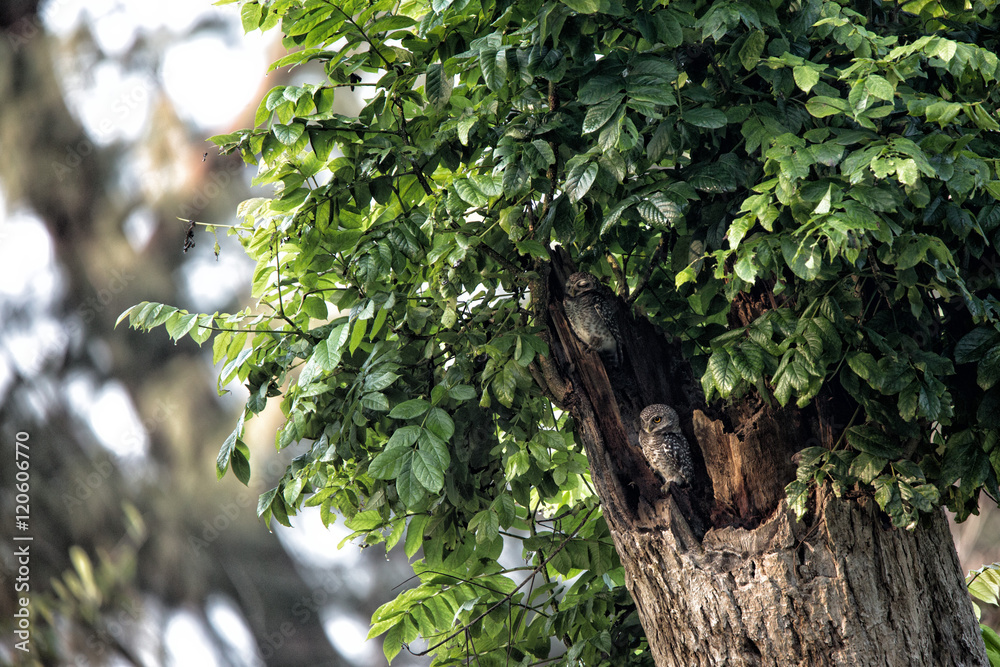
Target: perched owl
664, 446
593, 314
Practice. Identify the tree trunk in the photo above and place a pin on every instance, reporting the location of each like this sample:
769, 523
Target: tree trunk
723, 573
846, 589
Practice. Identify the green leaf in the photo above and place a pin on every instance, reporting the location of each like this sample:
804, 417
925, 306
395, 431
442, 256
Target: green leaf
127, 312
410, 409
929, 403
465, 125
802, 256
706, 117
533, 248
738, 229
288, 134
687, 275
240, 462
404, 436
410, 491
752, 48
943, 112
486, 524
226, 452
202, 332
389, 464
265, 499
866, 467
612, 216
748, 360
659, 211
600, 113
659, 142
989, 370
434, 448
579, 180
872, 441
544, 151
470, 193
992, 642
984, 583
397, 532
358, 332
393, 642
327, 352
440, 423
415, 534
583, 6
805, 77
798, 497
438, 85
381, 189
250, 16
377, 381
974, 345
878, 86
428, 471
822, 106
494, 65
724, 372
179, 324
462, 392
149, 315
376, 401
599, 89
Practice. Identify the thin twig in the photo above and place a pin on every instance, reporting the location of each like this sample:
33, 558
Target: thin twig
509, 596
661, 248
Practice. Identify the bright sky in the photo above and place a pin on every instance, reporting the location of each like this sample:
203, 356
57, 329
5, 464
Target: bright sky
209, 77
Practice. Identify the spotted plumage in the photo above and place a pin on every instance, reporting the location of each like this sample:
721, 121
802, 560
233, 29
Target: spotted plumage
664, 446
594, 315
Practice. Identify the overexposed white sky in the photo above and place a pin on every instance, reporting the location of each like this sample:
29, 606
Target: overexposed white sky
209, 77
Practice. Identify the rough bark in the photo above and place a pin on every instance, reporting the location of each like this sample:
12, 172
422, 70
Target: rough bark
844, 589
723, 574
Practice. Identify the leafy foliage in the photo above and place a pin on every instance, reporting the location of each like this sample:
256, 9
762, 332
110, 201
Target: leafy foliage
984, 585
808, 192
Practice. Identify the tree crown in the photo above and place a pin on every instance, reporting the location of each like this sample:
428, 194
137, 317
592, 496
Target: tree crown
803, 194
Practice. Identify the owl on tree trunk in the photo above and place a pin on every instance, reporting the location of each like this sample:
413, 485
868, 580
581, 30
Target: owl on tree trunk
664, 446
594, 315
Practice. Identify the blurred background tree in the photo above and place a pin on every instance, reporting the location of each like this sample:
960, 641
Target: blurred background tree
139, 554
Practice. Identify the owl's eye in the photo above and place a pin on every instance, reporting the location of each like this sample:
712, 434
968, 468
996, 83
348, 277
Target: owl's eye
657, 420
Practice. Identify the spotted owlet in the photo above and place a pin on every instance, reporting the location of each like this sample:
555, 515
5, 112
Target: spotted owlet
593, 314
664, 446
